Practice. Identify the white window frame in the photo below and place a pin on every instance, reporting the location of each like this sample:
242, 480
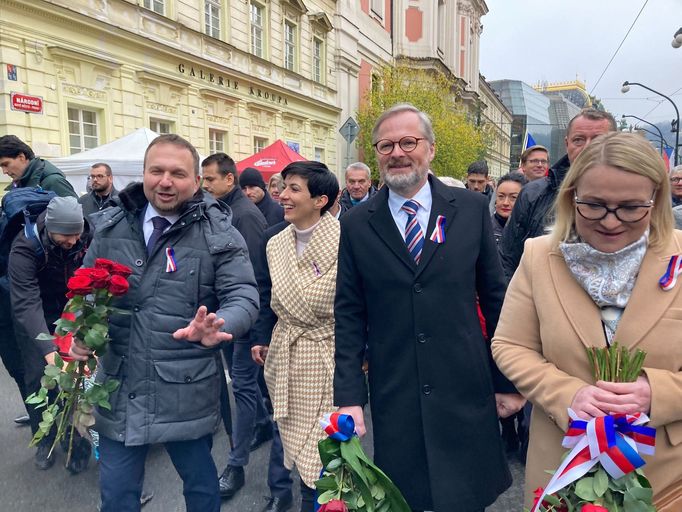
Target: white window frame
377, 8
259, 143
157, 6
155, 125
290, 47
212, 18
319, 154
318, 56
258, 32
78, 122
216, 141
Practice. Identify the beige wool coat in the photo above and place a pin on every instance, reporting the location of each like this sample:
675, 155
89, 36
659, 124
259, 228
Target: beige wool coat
546, 323
300, 364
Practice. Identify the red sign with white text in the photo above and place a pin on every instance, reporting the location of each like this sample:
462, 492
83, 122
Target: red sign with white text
26, 103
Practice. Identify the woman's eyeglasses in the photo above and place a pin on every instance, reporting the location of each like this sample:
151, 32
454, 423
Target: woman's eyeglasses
625, 213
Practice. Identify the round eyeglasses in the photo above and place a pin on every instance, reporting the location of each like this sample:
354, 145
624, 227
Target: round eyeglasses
407, 144
626, 213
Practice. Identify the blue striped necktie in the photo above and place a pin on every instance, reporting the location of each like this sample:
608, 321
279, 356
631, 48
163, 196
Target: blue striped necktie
414, 237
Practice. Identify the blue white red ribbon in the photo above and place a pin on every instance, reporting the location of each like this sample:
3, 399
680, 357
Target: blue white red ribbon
613, 441
171, 264
340, 427
669, 279
438, 234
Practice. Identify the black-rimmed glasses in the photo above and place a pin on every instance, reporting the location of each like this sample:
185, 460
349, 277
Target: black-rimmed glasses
627, 213
407, 144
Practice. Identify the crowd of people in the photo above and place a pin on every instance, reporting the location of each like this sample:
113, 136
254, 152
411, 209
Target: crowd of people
447, 311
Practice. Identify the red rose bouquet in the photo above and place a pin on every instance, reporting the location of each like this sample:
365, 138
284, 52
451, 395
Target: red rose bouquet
602, 472
85, 319
350, 481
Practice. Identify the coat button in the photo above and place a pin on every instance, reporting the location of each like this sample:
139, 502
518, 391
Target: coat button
139, 263
421, 337
426, 389
418, 288
188, 379
136, 309
132, 396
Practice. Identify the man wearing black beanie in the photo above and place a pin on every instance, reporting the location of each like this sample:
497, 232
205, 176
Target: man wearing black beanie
253, 186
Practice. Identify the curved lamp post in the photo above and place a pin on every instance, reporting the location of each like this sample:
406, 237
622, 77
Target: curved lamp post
660, 134
626, 88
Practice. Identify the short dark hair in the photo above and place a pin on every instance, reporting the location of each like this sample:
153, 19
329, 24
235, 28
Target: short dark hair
107, 167
12, 146
225, 165
321, 181
516, 177
478, 167
594, 115
175, 140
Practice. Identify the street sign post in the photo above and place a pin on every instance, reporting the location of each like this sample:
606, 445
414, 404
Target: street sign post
349, 131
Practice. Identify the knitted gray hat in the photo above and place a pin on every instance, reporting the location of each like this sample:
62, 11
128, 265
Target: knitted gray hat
64, 216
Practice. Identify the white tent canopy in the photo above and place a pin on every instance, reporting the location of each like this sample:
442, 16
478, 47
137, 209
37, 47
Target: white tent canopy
124, 155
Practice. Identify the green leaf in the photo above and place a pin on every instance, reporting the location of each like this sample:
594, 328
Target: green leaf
584, 488
111, 385
601, 482
334, 464
631, 504
329, 449
44, 337
642, 494
52, 371
326, 483
104, 404
326, 496
94, 339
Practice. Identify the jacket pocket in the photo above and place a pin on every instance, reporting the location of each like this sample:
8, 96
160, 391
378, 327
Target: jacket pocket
186, 389
674, 431
110, 369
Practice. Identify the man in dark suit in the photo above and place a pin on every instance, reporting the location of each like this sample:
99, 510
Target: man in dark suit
411, 262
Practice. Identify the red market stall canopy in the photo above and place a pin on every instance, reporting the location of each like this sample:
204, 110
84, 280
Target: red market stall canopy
271, 160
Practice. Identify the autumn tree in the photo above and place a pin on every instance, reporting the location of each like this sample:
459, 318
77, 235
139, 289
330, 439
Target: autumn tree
458, 141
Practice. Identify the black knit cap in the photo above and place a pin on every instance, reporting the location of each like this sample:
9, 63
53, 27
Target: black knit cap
251, 177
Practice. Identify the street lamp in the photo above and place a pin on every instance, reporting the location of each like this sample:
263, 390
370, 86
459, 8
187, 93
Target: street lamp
640, 129
660, 134
677, 39
626, 88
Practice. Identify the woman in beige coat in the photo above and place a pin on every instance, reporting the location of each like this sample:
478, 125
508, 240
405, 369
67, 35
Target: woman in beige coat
594, 281
299, 367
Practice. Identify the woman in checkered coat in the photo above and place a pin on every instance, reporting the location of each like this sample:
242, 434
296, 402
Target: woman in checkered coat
299, 368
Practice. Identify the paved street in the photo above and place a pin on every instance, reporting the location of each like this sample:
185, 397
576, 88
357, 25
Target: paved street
24, 488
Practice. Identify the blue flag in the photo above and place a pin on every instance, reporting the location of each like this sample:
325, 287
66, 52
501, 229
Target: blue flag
528, 141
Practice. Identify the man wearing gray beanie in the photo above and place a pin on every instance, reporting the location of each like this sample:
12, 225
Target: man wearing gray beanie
39, 267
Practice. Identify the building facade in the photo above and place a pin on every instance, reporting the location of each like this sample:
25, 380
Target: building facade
497, 119
229, 76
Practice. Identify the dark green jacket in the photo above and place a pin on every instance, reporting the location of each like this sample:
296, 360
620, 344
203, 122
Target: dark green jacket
41, 173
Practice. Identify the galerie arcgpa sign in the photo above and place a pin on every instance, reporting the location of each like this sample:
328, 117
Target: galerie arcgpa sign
228, 83
26, 103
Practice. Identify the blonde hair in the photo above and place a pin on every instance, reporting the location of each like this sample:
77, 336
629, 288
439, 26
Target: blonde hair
627, 152
279, 182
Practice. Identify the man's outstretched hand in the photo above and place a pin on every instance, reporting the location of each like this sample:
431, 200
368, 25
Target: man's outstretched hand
204, 328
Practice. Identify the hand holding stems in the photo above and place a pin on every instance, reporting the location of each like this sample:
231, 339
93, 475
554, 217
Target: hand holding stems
612, 398
508, 404
204, 328
358, 417
259, 353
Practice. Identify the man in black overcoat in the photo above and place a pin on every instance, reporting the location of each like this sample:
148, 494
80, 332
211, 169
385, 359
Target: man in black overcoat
433, 387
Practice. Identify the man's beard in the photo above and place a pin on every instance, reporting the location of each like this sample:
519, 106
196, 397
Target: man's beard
402, 184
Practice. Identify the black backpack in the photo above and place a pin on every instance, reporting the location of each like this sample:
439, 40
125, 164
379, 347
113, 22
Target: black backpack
20, 209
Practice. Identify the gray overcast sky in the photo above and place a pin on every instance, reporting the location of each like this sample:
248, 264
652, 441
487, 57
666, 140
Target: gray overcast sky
552, 40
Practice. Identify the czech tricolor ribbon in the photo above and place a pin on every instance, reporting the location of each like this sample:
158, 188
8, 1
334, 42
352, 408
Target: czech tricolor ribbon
171, 264
438, 234
339, 427
614, 441
669, 279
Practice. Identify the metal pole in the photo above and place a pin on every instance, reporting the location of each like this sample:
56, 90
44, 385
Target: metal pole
660, 134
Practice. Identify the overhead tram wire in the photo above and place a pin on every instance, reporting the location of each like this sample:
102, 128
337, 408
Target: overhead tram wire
619, 46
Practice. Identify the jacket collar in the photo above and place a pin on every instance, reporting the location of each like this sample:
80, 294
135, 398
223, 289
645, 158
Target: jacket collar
558, 172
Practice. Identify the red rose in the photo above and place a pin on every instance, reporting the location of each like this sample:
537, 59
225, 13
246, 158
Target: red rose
121, 270
334, 506
63, 344
100, 277
118, 285
80, 285
589, 507
83, 272
71, 317
104, 263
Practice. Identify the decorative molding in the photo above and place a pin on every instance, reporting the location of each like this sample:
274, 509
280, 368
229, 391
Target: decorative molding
219, 120
159, 107
84, 92
261, 120
322, 20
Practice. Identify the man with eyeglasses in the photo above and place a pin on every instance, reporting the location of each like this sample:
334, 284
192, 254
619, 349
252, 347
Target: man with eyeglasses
412, 259
532, 213
535, 162
676, 185
101, 189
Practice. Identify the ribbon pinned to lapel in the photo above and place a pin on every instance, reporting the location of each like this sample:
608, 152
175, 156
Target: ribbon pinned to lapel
438, 235
339, 427
614, 441
669, 279
171, 264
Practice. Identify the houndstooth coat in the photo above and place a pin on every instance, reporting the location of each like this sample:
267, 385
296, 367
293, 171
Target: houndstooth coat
300, 365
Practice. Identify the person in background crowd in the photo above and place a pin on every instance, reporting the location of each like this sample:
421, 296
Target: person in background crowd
532, 212
164, 352
252, 184
508, 188
358, 186
18, 161
299, 362
593, 281
101, 189
275, 186
535, 162
252, 425
676, 185
38, 271
410, 261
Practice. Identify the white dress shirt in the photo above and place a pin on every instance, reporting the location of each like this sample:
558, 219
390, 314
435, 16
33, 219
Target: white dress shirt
396, 202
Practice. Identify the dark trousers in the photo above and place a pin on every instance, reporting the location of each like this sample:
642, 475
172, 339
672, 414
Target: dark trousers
249, 408
307, 498
121, 474
10, 352
279, 477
